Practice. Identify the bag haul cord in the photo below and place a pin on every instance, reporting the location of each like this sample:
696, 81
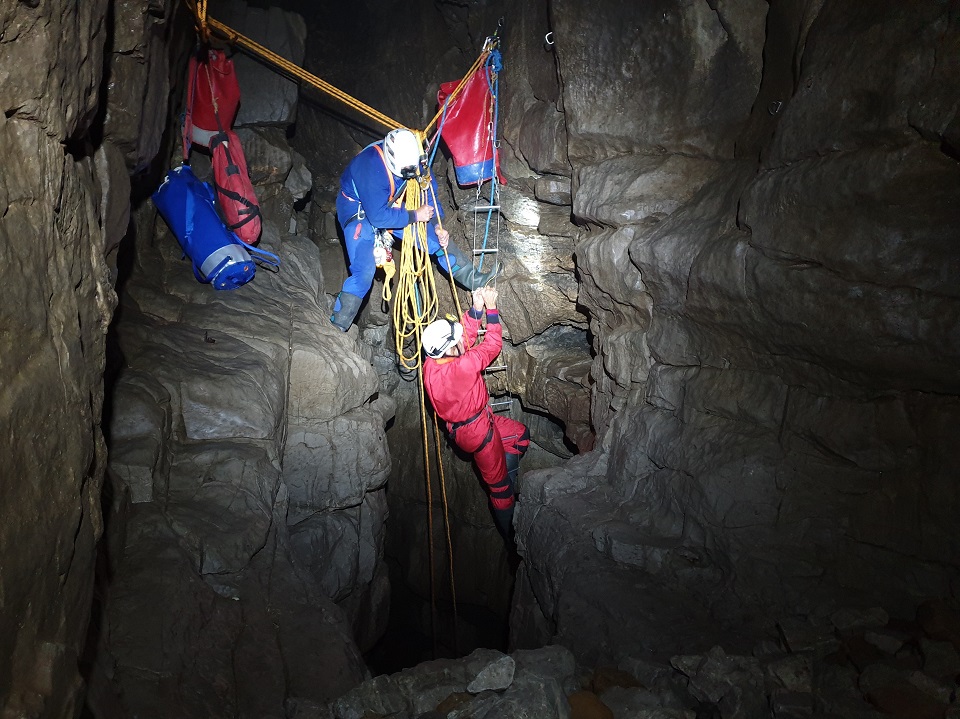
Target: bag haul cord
205, 24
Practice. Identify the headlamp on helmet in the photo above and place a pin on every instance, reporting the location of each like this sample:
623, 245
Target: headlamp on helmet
440, 336
403, 153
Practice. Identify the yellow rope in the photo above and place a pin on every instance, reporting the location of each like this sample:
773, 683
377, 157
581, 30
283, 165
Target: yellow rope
426, 471
205, 24
446, 524
416, 300
415, 307
453, 95
201, 14
389, 270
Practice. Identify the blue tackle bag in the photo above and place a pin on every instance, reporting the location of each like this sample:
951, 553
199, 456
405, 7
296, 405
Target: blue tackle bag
219, 257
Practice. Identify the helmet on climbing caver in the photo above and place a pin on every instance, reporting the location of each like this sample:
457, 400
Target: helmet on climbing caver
439, 336
402, 153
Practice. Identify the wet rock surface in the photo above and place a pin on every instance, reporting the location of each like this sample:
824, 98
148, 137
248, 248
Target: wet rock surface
730, 287
854, 663
63, 198
762, 377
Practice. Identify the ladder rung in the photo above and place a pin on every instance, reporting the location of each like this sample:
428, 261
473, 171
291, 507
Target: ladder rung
481, 208
501, 404
485, 252
499, 366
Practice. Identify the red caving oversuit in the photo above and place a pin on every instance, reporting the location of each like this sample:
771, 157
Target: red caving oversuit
459, 395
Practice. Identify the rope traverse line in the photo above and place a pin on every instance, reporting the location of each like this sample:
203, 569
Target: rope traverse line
245, 43
234, 37
484, 54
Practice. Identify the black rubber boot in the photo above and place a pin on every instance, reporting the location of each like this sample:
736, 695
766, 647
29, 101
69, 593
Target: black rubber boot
465, 273
343, 316
468, 277
503, 518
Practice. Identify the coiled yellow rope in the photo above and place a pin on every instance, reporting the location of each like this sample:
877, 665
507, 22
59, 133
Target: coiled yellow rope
416, 304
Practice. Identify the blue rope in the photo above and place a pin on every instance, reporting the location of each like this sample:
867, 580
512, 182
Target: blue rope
436, 137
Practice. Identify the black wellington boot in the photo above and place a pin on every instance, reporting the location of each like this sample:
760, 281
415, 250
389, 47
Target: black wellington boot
513, 469
468, 277
343, 316
464, 272
503, 518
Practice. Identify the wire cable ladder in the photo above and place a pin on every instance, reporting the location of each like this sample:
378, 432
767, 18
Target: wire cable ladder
482, 221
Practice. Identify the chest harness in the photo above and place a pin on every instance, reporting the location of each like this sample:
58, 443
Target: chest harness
360, 214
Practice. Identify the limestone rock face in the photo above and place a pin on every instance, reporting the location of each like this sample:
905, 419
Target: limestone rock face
55, 206
267, 98
485, 683
186, 638
247, 432
655, 81
552, 372
114, 200
772, 299
261, 462
144, 34
541, 139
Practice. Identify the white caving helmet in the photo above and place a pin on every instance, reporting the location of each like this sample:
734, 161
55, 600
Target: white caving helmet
440, 336
402, 152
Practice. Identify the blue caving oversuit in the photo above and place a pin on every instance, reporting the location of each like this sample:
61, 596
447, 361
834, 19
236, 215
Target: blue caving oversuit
363, 205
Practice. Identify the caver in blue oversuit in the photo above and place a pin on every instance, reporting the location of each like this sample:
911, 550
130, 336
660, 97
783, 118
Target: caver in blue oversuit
369, 200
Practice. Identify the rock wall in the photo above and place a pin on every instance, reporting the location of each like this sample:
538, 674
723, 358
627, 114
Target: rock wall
769, 268
56, 205
249, 435
730, 284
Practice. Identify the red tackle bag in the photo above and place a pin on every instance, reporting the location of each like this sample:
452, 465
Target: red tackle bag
213, 97
235, 196
466, 129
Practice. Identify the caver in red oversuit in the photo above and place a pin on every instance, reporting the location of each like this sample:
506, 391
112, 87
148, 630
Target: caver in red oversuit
459, 395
